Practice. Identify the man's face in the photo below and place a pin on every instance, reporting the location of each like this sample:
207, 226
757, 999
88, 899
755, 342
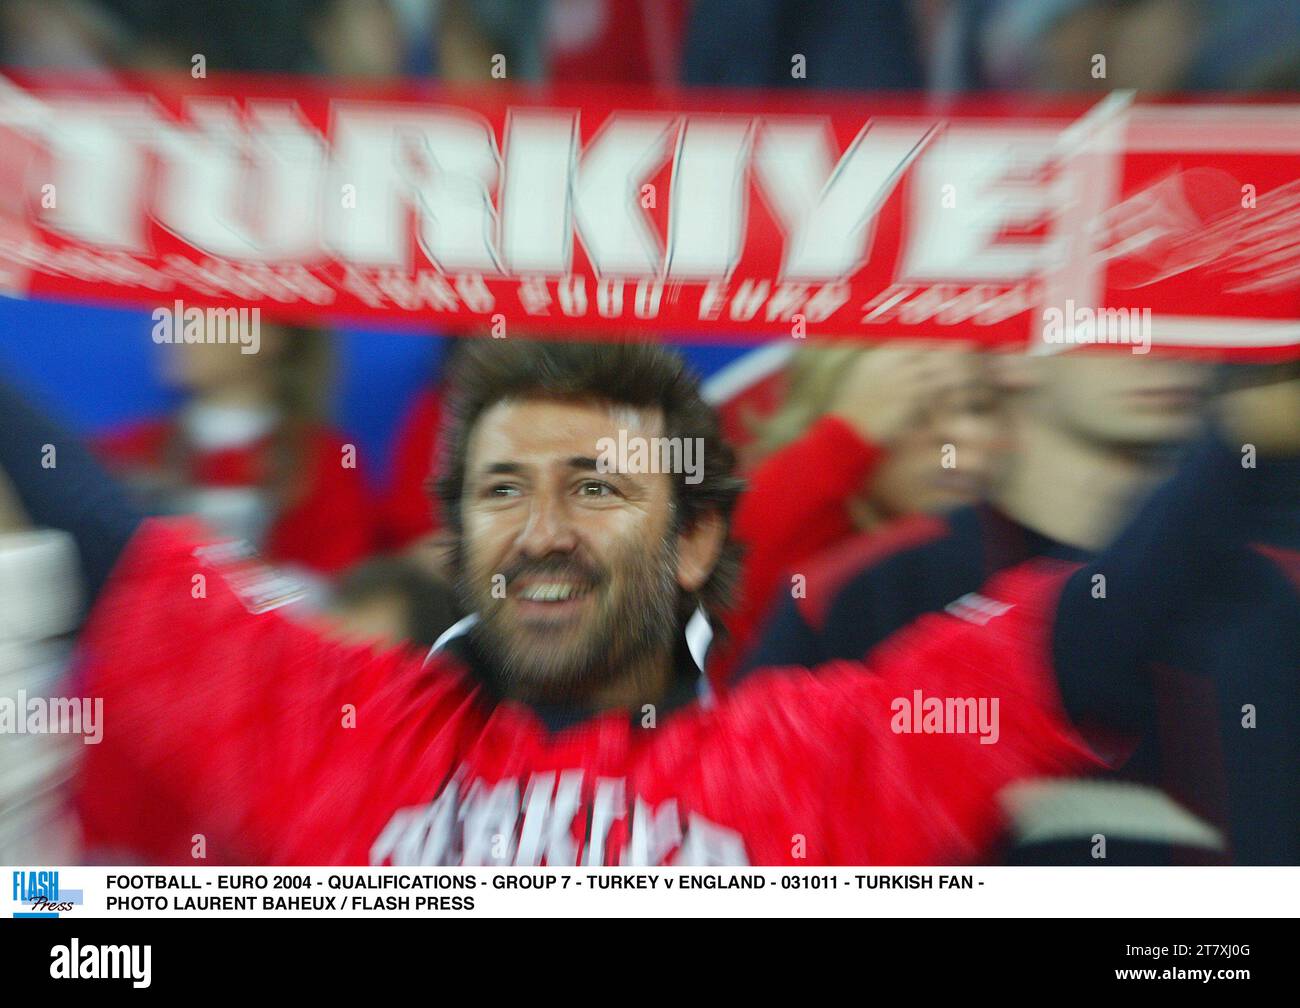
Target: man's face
574, 572
1124, 400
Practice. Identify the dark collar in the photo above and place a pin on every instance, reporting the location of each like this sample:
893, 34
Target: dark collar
689, 684
1006, 542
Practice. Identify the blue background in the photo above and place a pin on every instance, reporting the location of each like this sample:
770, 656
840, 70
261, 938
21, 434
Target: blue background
97, 367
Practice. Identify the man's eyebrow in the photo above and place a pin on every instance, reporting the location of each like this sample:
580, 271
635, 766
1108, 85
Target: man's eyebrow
581, 463
627, 482
501, 469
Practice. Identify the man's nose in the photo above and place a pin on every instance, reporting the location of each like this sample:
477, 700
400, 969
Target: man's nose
550, 528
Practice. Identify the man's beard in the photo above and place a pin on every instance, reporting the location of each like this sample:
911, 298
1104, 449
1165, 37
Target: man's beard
634, 623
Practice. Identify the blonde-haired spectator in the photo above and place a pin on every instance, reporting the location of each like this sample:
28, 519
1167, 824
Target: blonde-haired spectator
864, 435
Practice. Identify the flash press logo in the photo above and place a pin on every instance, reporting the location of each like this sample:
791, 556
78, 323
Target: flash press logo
40, 893
75, 961
178, 324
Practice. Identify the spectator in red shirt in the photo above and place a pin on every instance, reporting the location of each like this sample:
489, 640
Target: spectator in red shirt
249, 450
862, 437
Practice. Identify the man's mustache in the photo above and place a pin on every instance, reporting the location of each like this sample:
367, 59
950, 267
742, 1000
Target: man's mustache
566, 567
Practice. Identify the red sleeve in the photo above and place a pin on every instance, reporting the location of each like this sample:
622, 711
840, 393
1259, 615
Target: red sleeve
739, 414
331, 526
866, 791
409, 510
137, 445
794, 508
217, 719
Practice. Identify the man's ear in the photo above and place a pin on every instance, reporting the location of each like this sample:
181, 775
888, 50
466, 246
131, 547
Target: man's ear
698, 549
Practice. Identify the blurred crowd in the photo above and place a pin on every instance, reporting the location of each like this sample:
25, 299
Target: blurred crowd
943, 45
883, 482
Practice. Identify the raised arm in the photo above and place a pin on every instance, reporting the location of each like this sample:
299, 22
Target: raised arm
217, 706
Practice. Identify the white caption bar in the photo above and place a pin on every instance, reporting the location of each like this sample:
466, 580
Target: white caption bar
79, 892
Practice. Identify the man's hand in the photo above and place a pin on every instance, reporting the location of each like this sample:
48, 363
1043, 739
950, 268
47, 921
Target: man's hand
887, 389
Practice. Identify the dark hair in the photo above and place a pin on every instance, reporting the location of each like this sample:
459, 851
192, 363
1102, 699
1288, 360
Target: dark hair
642, 375
430, 602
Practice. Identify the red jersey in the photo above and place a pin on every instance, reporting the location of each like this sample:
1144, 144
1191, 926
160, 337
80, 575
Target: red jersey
327, 526
229, 723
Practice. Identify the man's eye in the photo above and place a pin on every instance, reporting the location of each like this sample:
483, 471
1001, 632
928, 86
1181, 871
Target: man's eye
594, 488
503, 490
